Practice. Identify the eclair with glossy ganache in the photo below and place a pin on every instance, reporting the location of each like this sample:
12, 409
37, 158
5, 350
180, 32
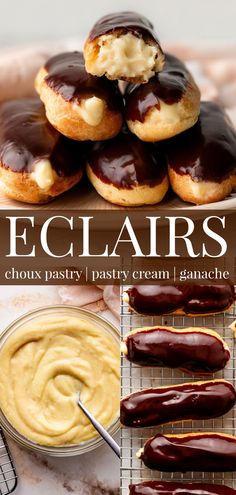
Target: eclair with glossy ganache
183, 402
185, 299
123, 45
128, 172
37, 163
161, 487
208, 452
81, 106
202, 160
167, 105
195, 350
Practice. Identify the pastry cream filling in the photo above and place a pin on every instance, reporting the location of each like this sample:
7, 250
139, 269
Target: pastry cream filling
126, 56
43, 366
91, 110
44, 175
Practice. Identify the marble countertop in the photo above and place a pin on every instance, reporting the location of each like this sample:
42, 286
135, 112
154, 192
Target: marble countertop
95, 473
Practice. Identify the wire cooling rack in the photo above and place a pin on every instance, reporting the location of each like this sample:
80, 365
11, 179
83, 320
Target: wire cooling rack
134, 378
8, 477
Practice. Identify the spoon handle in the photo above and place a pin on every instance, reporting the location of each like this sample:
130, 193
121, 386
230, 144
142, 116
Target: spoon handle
107, 437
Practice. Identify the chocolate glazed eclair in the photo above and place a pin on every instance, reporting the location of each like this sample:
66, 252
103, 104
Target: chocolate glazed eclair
176, 488
167, 105
124, 46
202, 160
184, 402
127, 171
80, 106
37, 163
209, 452
189, 299
195, 350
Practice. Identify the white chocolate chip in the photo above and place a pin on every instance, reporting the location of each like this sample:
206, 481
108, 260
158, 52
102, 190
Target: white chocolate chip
44, 175
91, 110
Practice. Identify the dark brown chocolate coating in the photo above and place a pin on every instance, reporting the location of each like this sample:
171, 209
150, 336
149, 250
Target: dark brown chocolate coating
67, 76
188, 401
192, 299
209, 452
197, 352
176, 488
207, 151
126, 162
125, 22
27, 137
169, 85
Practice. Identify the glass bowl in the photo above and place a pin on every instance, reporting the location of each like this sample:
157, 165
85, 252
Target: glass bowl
64, 310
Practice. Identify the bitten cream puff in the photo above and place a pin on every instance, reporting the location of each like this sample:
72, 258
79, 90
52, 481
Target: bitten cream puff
167, 105
36, 162
128, 172
124, 46
202, 160
80, 106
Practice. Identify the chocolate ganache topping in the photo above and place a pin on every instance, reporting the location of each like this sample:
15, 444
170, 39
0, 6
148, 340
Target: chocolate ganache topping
177, 488
127, 162
187, 401
194, 351
68, 77
191, 452
169, 85
191, 298
207, 151
27, 137
131, 22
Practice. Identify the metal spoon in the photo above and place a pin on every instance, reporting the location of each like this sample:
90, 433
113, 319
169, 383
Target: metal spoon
105, 435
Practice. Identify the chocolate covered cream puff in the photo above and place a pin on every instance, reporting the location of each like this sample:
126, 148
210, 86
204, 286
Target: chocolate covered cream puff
80, 106
124, 46
128, 172
202, 160
167, 105
36, 162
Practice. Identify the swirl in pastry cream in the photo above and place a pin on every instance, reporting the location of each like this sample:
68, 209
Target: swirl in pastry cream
43, 366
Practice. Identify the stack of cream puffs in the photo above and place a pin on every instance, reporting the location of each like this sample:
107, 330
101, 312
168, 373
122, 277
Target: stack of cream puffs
124, 111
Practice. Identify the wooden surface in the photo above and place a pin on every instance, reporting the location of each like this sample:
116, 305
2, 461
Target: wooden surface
84, 197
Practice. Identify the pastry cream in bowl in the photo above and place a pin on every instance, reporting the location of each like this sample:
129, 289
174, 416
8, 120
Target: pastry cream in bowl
46, 358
